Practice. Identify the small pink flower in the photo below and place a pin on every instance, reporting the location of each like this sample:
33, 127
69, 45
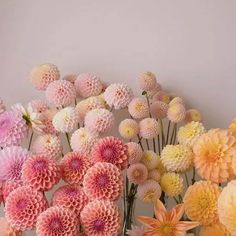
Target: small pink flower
162, 96
147, 81
176, 113
138, 108
46, 119
38, 105
159, 109
6, 229
149, 128
137, 173
135, 152
9, 186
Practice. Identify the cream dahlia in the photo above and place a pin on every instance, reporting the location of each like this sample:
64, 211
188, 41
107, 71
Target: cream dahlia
128, 129
150, 159
135, 152
138, 108
159, 109
177, 100
149, 128
137, 173
176, 113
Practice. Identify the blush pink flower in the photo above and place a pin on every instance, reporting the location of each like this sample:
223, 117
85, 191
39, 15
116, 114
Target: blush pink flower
136, 231
149, 128
6, 229
147, 81
162, 96
138, 108
176, 113
112, 150
128, 128
46, 119
9, 186
101, 218
23, 206
40, 172
38, 105
137, 173
135, 152
159, 109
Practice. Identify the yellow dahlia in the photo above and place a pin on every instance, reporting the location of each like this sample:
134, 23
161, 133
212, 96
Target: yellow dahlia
128, 128
213, 154
177, 158
201, 202
150, 159
172, 184
160, 167
193, 115
232, 127
215, 230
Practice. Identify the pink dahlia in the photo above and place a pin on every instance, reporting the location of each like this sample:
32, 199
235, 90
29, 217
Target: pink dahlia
61, 93
135, 152
46, 119
176, 113
118, 95
38, 105
40, 172
13, 128
9, 186
147, 81
23, 206
162, 96
57, 221
47, 145
138, 108
149, 128
2, 106
101, 218
155, 90
11, 161
6, 229
137, 173
112, 150
71, 197
159, 109
88, 85
103, 181
73, 167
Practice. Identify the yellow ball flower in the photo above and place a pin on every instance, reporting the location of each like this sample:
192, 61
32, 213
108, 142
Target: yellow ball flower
215, 230
150, 159
178, 158
201, 202
160, 167
172, 184
232, 127
128, 128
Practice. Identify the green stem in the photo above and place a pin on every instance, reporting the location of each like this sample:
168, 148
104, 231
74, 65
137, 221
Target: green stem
147, 144
154, 145
168, 132
194, 175
30, 141
68, 140
159, 145
140, 142
176, 200
173, 133
186, 178
162, 134
148, 102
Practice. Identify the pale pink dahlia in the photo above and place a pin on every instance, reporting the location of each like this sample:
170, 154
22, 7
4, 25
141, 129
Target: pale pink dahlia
149, 128
6, 229
176, 113
159, 109
11, 161
162, 96
147, 81
112, 150
40, 172
155, 90
138, 108
46, 119
61, 93
99, 120
103, 181
42, 75
137, 173
38, 105
128, 128
9, 186
135, 152
88, 85
101, 218
71, 197
2, 106
13, 128
118, 96
47, 145
23, 206
57, 221
74, 166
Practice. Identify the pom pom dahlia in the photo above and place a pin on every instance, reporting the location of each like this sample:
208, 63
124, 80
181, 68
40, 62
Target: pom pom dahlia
138, 108
216, 229
23, 206
101, 218
232, 127
40, 172
176, 100
103, 181
60, 93
200, 202
13, 128
11, 161
57, 221
149, 128
128, 129
213, 154
112, 150
147, 81
9, 186
135, 152
118, 95
154, 174
150, 159
6, 229
2, 106
38, 105
162, 96
176, 113
74, 165
70, 77
42, 75
159, 109
193, 115
46, 119
137, 173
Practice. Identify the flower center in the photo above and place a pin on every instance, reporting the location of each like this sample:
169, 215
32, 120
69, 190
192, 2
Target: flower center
55, 225
102, 180
98, 225
75, 164
137, 173
149, 195
139, 106
71, 192
167, 229
21, 204
108, 153
40, 165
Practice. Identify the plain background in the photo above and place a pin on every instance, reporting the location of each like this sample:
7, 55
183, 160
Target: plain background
189, 44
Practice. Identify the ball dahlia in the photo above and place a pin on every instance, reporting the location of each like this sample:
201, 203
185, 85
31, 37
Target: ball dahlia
38, 105
112, 150
162, 96
159, 109
46, 119
23, 206
6, 229
193, 115
150, 159
232, 127
201, 202
213, 154
101, 218
216, 229
147, 81
176, 100
70, 77
40, 172
2, 106
57, 221
138, 108
176, 113
137, 173
9, 186
118, 95
74, 165
155, 175
135, 152
149, 128
128, 129
103, 181
42, 75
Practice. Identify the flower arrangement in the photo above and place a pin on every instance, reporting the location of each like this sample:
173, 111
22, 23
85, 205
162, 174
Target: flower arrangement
162, 155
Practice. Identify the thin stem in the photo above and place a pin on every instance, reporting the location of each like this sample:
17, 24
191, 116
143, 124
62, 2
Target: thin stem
176, 200
140, 141
186, 178
147, 144
68, 140
159, 145
30, 141
162, 134
173, 133
154, 145
168, 132
194, 175
180, 199
148, 102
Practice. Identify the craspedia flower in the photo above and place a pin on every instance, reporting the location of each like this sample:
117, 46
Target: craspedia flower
213, 154
11, 161
176, 113
216, 229
9, 186
193, 115
82, 140
177, 158
128, 129
13, 128
23, 205
149, 128
201, 202
159, 109
112, 150
172, 184
2, 106
188, 134
60, 93
74, 165
232, 127
177, 100
38, 105
42, 75
101, 218
147, 81
88, 85
150, 159
40, 172
226, 207
57, 221
71, 197
65, 120
103, 181
46, 119
118, 95
162, 96
154, 174
47, 145
137, 173
135, 152
149, 191
99, 120
138, 108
